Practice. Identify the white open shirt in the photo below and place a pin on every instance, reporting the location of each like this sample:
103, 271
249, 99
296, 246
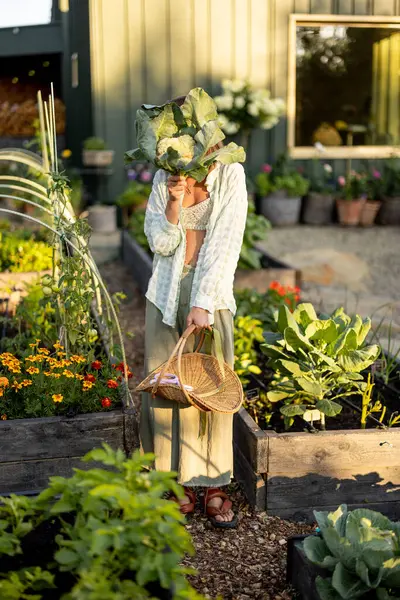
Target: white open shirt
213, 279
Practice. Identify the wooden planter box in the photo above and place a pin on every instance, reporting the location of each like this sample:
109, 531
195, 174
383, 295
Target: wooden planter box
291, 474
137, 260
140, 265
273, 270
13, 288
300, 572
32, 450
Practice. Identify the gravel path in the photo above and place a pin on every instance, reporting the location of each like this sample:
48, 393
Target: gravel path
246, 564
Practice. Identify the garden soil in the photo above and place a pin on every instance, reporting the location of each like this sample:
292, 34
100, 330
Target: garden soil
244, 564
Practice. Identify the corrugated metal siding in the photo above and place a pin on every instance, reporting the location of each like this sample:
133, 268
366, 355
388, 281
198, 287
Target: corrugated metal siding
152, 50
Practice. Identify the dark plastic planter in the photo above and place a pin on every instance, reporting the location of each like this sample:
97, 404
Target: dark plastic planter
300, 572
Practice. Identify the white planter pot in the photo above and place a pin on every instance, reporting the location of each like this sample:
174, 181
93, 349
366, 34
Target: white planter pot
280, 209
97, 158
103, 219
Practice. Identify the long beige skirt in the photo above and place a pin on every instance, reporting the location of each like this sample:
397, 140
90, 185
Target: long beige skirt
172, 431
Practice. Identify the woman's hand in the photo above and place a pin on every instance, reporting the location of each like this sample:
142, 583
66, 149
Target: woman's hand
176, 187
199, 318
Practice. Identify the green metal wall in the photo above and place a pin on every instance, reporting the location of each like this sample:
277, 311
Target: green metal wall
152, 50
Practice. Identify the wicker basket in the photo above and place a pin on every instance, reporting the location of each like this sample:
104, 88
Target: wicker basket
203, 381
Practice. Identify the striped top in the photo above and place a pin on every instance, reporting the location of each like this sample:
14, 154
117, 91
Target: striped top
212, 287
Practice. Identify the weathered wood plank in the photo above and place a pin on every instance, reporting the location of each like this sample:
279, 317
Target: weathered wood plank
252, 441
33, 475
345, 7
252, 483
241, 34
202, 43
305, 514
157, 51
362, 7
314, 489
302, 6
384, 7
135, 62
330, 452
221, 42
59, 437
181, 47
322, 6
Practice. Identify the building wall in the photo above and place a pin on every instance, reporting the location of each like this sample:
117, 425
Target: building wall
152, 50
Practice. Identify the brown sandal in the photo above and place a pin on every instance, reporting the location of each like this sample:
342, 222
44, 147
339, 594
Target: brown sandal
187, 508
213, 511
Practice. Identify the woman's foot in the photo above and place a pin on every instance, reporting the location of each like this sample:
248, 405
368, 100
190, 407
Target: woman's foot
218, 508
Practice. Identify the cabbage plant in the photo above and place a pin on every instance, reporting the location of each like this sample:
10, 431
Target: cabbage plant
316, 360
361, 549
182, 139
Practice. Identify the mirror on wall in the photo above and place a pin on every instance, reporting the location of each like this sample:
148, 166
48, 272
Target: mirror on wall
344, 86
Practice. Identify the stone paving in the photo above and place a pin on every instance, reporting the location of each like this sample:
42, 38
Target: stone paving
355, 268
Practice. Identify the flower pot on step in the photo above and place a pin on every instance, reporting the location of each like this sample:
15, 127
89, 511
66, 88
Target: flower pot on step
97, 158
349, 211
390, 212
318, 209
280, 209
103, 219
369, 212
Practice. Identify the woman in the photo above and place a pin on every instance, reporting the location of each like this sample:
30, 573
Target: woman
196, 244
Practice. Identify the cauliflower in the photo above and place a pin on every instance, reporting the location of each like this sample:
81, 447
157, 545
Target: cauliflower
183, 144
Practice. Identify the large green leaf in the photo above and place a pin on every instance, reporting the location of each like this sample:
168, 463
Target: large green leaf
345, 342
286, 319
340, 547
318, 553
291, 410
305, 314
271, 337
296, 340
164, 125
346, 584
293, 367
370, 578
391, 573
324, 330
364, 519
276, 395
328, 407
231, 153
311, 387
325, 589
199, 108
362, 326
335, 519
358, 360
135, 154
145, 135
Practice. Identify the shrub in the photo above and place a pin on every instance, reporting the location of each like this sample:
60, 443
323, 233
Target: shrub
18, 254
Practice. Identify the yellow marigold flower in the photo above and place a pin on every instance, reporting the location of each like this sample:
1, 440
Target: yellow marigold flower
15, 370
32, 370
58, 346
77, 358
4, 417
56, 375
57, 397
16, 385
32, 345
66, 363
38, 341
43, 351
48, 373
59, 353
87, 385
79, 376
4, 382
66, 153
68, 373
26, 382
34, 358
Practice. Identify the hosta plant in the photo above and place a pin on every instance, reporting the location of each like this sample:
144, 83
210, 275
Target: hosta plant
362, 551
316, 361
183, 139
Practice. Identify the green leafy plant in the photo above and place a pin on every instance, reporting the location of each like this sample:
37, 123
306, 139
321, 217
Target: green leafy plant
183, 140
375, 185
18, 255
317, 361
136, 229
281, 177
320, 177
263, 306
94, 143
135, 194
352, 187
257, 227
391, 174
361, 549
247, 332
117, 534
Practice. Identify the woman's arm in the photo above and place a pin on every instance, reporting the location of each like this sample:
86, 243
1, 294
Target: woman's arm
161, 227
223, 251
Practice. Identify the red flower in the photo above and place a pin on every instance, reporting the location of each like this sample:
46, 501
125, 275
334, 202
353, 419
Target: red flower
96, 365
121, 368
112, 384
90, 377
106, 402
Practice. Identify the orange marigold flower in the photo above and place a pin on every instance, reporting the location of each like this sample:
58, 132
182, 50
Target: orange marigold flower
68, 373
79, 376
59, 353
96, 365
58, 346
43, 351
57, 397
16, 385
48, 373
56, 375
4, 382
4, 417
90, 377
66, 363
1, 392
112, 384
77, 358
32, 370
87, 385
26, 382
106, 402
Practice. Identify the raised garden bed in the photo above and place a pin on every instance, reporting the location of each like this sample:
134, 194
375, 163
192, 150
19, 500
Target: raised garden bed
291, 474
32, 450
140, 265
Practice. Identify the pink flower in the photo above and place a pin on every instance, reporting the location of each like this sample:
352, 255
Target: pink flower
376, 174
341, 181
146, 176
266, 168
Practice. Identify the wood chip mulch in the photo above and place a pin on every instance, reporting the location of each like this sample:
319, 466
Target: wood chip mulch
243, 564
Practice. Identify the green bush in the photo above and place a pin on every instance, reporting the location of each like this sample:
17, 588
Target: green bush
136, 229
281, 176
118, 534
135, 194
362, 550
94, 143
257, 227
19, 255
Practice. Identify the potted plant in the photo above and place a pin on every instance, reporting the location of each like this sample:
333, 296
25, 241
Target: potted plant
244, 108
134, 197
375, 192
390, 210
95, 153
352, 191
106, 532
281, 189
319, 202
355, 555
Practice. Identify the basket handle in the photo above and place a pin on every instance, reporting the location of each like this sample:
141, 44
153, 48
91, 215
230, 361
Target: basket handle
180, 344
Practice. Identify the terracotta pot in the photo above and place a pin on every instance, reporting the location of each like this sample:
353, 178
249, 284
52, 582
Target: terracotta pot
349, 211
390, 212
369, 212
318, 209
